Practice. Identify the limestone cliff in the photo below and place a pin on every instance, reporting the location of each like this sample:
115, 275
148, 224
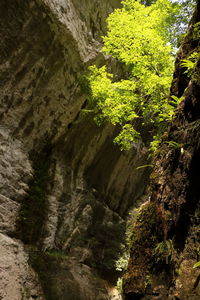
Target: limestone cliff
165, 237
64, 187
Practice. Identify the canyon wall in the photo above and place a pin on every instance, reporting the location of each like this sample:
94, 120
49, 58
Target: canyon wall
65, 189
165, 237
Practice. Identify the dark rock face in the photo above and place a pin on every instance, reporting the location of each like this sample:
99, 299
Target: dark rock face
163, 263
64, 187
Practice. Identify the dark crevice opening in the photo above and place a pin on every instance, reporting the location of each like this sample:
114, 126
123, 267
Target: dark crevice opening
34, 207
77, 115
192, 105
196, 282
188, 208
134, 296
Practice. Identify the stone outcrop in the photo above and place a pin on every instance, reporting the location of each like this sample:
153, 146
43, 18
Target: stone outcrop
64, 187
165, 241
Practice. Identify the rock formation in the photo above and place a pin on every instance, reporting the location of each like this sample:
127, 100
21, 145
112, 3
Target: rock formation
165, 241
64, 187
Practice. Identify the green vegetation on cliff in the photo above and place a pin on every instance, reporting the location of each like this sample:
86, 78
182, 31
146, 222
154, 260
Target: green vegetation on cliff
142, 36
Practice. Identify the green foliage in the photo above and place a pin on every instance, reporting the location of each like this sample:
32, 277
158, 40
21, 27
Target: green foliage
179, 20
190, 63
154, 144
197, 265
126, 137
148, 281
122, 262
164, 251
173, 144
138, 37
115, 100
119, 285
175, 100
196, 32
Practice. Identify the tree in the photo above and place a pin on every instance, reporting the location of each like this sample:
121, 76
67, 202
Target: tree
139, 37
180, 20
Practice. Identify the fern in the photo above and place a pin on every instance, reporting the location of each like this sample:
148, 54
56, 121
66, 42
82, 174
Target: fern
190, 63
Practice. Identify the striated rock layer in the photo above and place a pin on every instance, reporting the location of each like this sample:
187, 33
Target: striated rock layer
64, 187
165, 242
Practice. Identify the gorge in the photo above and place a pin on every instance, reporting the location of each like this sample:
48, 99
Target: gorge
66, 189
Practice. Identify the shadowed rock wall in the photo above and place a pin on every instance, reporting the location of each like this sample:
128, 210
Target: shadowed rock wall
165, 241
64, 187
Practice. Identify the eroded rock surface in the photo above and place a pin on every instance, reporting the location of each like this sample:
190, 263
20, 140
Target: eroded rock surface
161, 265
64, 187
18, 280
